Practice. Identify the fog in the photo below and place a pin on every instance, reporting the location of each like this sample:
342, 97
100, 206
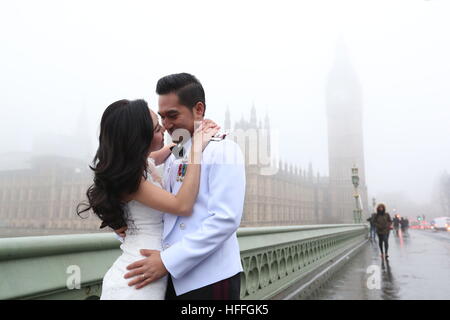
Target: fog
63, 62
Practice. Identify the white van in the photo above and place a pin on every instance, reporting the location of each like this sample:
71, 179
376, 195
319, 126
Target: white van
441, 223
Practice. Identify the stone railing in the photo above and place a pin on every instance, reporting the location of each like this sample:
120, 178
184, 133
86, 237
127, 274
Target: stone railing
275, 259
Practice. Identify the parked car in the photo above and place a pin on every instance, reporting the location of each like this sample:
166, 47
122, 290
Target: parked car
441, 223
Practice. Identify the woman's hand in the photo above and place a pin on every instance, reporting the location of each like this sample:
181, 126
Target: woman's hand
205, 132
121, 232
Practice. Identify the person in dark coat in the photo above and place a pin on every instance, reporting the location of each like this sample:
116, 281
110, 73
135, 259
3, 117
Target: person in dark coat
402, 224
396, 224
372, 226
383, 224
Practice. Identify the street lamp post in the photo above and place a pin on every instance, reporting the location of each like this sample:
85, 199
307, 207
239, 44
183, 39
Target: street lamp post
357, 213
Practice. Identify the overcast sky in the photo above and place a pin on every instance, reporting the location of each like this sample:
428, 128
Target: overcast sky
58, 57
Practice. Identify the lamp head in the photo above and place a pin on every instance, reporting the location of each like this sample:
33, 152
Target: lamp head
355, 176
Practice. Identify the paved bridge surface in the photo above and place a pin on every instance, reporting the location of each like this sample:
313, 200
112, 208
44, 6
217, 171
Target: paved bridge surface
418, 268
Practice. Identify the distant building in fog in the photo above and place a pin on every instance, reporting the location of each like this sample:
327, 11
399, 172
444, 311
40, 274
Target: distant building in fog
43, 197
40, 190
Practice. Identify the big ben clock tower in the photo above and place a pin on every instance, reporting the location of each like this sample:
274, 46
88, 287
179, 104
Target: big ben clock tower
345, 137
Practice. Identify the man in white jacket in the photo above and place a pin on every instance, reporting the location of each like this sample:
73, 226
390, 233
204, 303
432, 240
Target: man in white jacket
200, 252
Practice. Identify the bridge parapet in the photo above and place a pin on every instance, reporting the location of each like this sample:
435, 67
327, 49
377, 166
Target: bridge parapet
275, 259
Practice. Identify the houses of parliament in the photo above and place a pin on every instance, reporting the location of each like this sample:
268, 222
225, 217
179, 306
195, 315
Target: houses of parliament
39, 195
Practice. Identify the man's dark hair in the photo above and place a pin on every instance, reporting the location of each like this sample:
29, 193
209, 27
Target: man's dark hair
187, 87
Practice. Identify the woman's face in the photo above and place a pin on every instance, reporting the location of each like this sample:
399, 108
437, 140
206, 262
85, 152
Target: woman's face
158, 134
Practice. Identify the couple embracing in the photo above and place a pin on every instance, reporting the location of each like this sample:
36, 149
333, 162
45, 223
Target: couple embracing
178, 230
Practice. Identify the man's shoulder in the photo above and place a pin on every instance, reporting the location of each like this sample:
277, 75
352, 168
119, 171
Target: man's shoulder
224, 151
222, 144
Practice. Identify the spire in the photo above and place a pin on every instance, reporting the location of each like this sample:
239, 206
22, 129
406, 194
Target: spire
267, 132
253, 116
267, 122
310, 172
343, 87
227, 119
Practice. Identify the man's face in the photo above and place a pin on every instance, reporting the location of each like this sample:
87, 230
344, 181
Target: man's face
175, 115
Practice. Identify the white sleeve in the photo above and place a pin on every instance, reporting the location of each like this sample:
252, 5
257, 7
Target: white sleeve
225, 205
118, 237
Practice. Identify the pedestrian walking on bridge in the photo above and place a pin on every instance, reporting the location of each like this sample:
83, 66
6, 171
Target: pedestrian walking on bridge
404, 223
396, 224
383, 224
372, 226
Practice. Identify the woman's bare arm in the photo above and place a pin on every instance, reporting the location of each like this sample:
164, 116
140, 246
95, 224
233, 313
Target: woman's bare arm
182, 203
162, 154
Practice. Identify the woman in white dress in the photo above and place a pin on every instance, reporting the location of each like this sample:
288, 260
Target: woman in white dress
127, 189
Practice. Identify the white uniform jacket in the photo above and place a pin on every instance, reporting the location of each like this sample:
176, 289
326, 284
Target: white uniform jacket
202, 249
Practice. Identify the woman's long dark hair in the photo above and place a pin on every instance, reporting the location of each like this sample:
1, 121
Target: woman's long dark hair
126, 132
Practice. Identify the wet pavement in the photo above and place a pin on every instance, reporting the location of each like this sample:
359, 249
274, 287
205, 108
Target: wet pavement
418, 268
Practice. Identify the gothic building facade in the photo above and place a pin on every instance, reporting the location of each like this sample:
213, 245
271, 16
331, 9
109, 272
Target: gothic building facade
289, 196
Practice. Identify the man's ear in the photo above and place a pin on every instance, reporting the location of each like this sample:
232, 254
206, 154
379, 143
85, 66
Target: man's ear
199, 110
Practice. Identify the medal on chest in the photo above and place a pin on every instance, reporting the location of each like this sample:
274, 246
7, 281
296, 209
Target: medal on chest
181, 171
